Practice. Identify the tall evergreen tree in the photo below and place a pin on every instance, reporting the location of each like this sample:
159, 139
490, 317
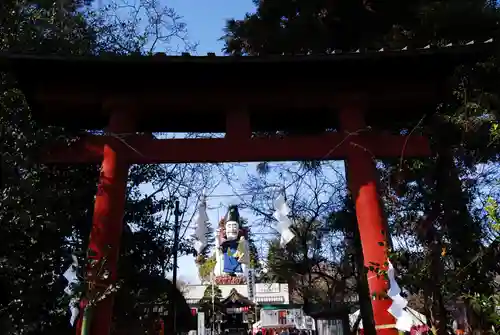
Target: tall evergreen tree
46, 211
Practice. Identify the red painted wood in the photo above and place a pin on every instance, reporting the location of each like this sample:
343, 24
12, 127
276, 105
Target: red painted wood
363, 181
238, 125
202, 108
107, 222
144, 150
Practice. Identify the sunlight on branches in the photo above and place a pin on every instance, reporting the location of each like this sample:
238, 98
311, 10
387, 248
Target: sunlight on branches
140, 27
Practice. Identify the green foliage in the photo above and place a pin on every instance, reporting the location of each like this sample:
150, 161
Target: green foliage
206, 304
210, 241
495, 132
147, 242
254, 254
207, 295
318, 26
46, 211
254, 257
486, 308
207, 267
304, 265
492, 211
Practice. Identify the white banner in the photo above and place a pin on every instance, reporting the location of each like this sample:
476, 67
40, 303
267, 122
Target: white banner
201, 323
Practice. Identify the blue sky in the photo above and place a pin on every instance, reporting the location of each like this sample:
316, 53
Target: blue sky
205, 23
206, 19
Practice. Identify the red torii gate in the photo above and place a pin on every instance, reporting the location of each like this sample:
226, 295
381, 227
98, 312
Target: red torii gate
330, 107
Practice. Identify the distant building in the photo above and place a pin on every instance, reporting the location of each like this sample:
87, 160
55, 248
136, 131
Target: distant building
265, 294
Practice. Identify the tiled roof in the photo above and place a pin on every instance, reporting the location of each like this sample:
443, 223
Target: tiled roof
429, 47
211, 57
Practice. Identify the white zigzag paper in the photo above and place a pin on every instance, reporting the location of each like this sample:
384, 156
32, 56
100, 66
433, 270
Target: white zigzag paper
281, 215
201, 229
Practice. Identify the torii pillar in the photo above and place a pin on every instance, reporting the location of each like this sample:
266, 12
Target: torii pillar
107, 221
363, 180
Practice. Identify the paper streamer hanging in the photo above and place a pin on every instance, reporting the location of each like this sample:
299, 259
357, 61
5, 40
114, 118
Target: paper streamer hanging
281, 215
71, 276
404, 320
201, 230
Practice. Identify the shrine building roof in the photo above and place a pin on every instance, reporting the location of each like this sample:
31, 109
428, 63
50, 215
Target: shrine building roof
192, 93
236, 298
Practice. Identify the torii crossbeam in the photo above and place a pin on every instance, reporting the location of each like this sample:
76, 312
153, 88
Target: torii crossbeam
280, 108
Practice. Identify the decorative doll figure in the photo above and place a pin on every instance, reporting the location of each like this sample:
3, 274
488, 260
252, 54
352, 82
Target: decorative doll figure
232, 230
228, 256
229, 246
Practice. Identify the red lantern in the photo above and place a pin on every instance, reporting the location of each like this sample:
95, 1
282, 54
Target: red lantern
194, 311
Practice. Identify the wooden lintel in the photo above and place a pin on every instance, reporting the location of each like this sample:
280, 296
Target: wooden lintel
329, 146
238, 124
297, 96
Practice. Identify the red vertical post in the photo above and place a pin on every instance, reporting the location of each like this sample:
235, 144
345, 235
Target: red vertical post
107, 222
363, 181
162, 327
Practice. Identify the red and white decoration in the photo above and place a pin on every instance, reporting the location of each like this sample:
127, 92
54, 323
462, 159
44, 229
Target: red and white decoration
397, 309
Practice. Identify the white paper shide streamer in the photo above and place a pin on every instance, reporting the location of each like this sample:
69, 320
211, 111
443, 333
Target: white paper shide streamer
72, 279
281, 215
201, 229
397, 309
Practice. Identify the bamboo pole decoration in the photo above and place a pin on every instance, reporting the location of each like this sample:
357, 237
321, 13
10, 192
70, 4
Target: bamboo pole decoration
86, 321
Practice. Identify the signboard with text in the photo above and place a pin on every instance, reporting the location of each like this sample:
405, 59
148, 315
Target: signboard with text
268, 288
251, 284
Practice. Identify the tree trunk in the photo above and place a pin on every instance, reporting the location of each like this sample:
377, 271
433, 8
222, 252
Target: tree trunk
449, 200
432, 289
